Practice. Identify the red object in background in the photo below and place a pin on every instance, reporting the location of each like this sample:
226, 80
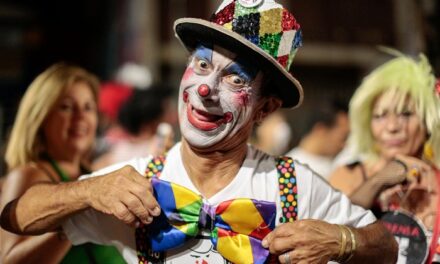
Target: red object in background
111, 98
437, 87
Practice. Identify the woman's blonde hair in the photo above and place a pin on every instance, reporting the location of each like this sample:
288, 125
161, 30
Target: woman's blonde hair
402, 77
26, 142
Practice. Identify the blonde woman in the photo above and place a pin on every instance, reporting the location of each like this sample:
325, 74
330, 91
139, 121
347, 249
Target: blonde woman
53, 132
395, 122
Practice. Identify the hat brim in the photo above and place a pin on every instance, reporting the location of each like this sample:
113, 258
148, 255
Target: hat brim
193, 31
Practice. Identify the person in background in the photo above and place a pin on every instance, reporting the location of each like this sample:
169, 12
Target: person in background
146, 118
395, 122
326, 129
113, 94
53, 132
214, 198
273, 134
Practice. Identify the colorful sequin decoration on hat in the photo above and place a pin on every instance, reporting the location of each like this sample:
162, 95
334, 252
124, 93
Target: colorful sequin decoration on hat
267, 25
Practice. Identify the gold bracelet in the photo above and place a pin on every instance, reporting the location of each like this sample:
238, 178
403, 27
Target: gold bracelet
350, 251
353, 244
343, 242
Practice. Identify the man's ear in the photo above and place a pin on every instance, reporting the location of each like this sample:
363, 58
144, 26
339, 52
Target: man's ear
270, 105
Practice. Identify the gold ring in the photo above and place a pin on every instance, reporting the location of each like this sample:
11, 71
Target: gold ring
414, 172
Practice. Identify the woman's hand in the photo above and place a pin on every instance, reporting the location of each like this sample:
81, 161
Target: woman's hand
417, 170
401, 170
304, 241
413, 193
394, 172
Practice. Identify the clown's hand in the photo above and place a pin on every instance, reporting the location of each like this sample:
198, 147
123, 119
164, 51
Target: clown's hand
304, 241
125, 194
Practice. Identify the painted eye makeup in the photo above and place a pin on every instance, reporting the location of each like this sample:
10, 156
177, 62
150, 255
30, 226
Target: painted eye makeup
201, 66
202, 59
235, 80
238, 76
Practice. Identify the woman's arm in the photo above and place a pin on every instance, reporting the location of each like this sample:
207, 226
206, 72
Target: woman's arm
47, 248
365, 193
346, 179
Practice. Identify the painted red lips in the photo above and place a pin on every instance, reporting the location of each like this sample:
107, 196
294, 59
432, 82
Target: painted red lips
205, 121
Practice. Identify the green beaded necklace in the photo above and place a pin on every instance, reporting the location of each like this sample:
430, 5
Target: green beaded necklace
63, 175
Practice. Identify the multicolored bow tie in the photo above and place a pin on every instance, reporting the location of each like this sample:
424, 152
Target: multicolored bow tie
236, 226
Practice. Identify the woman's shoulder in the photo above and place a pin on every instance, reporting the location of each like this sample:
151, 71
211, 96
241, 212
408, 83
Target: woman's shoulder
31, 172
27, 170
19, 179
350, 169
348, 177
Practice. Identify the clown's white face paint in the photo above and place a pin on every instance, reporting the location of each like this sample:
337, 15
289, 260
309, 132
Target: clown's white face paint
217, 97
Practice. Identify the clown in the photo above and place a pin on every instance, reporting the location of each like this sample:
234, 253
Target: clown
217, 97
213, 190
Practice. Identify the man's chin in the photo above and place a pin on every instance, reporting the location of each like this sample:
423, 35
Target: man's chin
200, 140
203, 145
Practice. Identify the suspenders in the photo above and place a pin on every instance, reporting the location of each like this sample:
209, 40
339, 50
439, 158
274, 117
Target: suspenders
288, 189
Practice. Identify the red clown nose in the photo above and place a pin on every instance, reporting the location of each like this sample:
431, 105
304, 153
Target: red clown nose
203, 90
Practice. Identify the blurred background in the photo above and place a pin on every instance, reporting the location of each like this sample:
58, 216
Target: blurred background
341, 40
